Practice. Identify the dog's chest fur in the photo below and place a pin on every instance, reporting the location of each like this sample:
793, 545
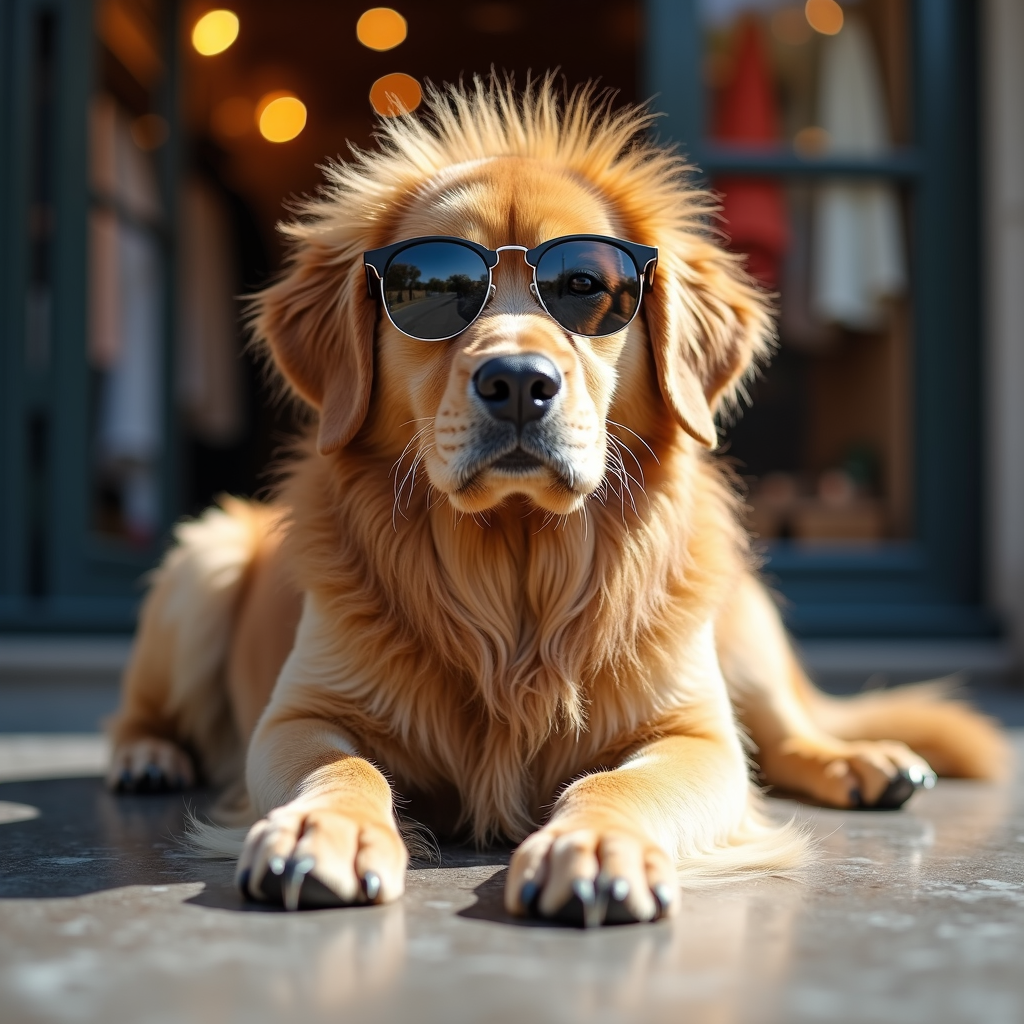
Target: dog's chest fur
511, 654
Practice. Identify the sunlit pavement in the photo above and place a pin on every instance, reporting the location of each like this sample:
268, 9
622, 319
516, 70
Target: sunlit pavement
908, 916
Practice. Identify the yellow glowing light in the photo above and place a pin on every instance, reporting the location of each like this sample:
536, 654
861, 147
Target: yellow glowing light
824, 16
395, 94
381, 28
280, 116
214, 32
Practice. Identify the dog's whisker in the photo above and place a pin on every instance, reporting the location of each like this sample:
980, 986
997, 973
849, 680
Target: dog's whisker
421, 455
622, 426
410, 476
405, 451
621, 446
613, 464
627, 479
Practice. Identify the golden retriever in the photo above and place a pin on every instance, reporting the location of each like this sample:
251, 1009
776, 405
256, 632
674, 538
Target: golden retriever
557, 638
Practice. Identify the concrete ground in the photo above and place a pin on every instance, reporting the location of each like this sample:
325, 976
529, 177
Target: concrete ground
910, 916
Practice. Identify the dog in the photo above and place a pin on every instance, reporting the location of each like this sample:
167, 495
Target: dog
504, 579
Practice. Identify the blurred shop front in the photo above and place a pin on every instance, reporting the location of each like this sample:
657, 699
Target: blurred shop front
151, 145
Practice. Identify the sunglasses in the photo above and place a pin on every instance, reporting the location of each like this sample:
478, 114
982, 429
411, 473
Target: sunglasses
434, 287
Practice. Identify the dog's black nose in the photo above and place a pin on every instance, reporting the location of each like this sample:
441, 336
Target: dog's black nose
518, 388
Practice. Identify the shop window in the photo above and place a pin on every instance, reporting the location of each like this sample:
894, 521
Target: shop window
826, 444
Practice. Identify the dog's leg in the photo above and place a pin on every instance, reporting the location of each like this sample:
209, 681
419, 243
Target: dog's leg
812, 745
328, 836
147, 756
611, 851
173, 696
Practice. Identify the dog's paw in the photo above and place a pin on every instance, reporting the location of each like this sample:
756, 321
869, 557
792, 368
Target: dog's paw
150, 765
588, 877
308, 858
863, 774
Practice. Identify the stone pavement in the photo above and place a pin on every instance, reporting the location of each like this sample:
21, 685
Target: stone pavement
911, 916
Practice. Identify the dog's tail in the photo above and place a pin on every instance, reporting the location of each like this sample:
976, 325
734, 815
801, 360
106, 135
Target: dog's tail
761, 846
954, 738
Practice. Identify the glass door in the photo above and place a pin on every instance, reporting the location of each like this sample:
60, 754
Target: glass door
820, 126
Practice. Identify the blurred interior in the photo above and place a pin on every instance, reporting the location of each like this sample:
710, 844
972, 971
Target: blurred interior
826, 445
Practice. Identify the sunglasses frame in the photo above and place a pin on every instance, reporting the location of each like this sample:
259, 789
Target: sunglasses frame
377, 261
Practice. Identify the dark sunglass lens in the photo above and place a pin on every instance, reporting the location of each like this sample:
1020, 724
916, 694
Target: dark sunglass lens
590, 288
434, 290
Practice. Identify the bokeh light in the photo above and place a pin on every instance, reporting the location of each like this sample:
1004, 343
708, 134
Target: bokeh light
395, 94
214, 32
824, 16
812, 141
280, 116
381, 28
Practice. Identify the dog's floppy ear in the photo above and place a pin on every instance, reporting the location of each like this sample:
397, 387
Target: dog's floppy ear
707, 324
320, 336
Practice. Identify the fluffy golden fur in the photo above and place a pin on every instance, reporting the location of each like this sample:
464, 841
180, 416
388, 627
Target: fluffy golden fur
556, 658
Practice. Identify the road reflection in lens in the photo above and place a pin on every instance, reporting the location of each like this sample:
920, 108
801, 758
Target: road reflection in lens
434, 290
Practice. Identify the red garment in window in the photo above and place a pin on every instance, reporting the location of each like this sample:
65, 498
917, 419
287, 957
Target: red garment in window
753, 209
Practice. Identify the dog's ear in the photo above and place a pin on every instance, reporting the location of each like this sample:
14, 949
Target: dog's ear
320, 336
707, 324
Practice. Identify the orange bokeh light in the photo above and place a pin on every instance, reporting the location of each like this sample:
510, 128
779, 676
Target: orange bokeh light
381, 28
280, 116
395, 94
824, 16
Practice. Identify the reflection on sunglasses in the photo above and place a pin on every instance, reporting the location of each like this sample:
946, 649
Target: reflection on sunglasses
590, 288
435, 288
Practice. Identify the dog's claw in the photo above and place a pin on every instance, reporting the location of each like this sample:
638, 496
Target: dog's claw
371, 886
290, 883
663, 894
295, 875
581, 909
612, 895
901, 788
528, 896
152, 779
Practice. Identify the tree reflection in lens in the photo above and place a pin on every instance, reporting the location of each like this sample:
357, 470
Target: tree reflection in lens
590, 288
435, 290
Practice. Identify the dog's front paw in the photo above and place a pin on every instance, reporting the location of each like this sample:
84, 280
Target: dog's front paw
590, 876
307, 858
